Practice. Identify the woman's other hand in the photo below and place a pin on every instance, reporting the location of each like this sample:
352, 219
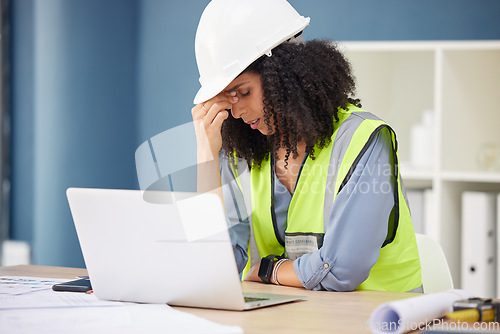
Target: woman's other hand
253, 273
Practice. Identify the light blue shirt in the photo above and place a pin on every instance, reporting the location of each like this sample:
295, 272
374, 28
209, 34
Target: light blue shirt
355, 231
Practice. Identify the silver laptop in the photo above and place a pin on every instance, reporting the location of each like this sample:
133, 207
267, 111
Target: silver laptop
160, 247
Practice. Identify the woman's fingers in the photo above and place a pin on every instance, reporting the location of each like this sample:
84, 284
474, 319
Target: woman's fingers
220, 118
213, 113
208, 117
209, 109
214, 110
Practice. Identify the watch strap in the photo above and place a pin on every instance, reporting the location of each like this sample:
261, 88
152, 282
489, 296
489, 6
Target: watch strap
266, 267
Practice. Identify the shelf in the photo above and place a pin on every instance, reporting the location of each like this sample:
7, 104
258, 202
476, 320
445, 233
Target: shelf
470, 108
397, 86
482, 177
415, 178
460, 82
416, 174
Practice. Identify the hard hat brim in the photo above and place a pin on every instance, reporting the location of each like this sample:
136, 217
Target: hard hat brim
206, 92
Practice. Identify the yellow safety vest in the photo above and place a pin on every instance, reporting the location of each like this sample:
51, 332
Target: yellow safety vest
398, 265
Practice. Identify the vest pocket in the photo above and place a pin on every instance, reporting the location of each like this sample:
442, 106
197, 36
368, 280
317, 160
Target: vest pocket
298, 244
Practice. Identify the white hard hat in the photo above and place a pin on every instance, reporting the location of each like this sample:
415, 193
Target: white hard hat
232, 34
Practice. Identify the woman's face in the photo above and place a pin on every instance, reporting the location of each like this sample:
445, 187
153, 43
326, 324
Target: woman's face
249, 104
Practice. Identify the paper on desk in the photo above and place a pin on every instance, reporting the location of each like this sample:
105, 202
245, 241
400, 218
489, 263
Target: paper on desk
413, 313
16, 285
50, 299
132, 318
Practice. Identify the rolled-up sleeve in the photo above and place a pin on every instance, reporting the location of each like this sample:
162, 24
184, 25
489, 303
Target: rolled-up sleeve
357, 225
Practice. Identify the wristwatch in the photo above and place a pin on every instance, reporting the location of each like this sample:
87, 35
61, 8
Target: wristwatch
266, 267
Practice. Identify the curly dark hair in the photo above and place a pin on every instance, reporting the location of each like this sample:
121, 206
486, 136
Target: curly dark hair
303, 85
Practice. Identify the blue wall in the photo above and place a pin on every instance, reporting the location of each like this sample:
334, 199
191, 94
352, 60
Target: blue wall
168, 77
93, 79
74, 114
401, 19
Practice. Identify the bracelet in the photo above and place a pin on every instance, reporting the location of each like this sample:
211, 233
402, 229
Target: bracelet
275, 270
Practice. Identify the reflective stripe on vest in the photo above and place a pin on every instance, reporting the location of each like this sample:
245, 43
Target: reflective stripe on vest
320, 180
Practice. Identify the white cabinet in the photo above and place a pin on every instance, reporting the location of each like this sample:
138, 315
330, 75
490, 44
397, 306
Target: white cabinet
460, 82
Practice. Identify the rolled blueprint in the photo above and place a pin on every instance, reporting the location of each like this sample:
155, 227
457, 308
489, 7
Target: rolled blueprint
414, 313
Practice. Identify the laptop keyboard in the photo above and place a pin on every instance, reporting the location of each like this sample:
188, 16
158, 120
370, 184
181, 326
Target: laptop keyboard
254, 299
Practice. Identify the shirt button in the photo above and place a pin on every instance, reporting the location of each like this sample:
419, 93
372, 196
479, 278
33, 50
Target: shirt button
326, 265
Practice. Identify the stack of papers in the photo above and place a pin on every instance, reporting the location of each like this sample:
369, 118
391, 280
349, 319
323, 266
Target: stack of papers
18, 285
28, 305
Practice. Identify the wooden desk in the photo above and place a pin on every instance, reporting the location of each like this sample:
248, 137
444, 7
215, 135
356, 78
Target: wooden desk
321, 312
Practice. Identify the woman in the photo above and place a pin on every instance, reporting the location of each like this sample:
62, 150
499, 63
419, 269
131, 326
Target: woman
328, 208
